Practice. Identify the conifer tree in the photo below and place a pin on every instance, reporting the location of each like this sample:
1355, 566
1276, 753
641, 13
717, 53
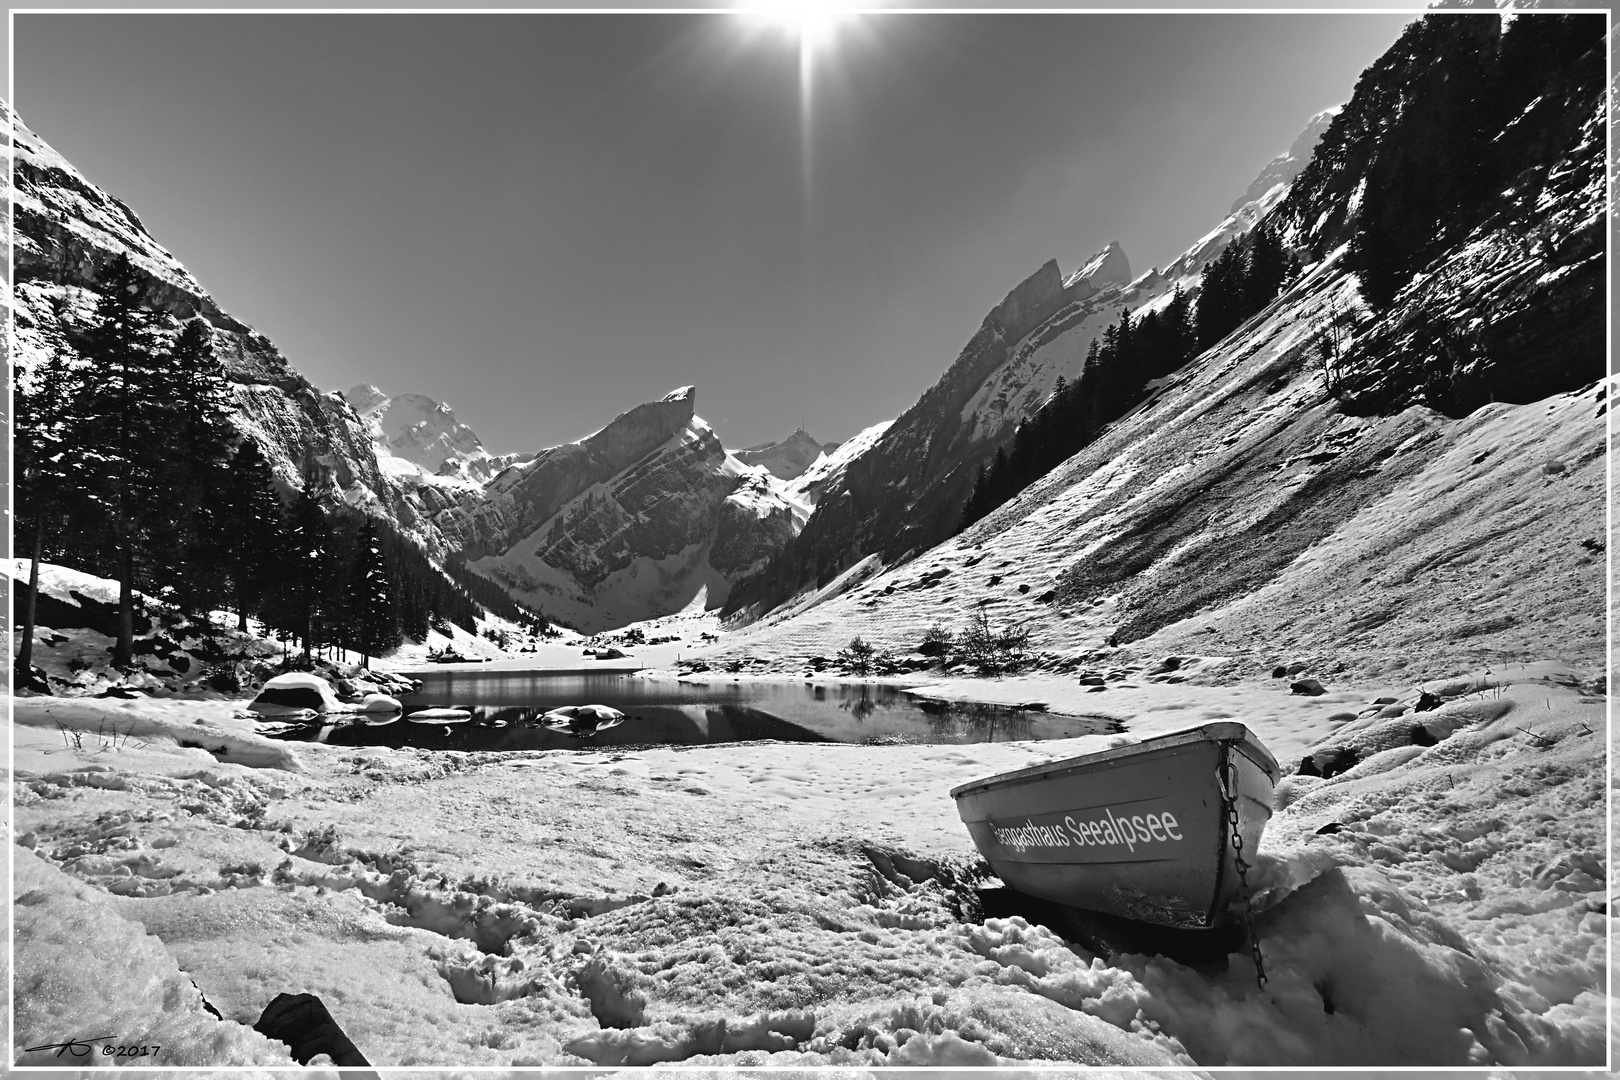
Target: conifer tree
125, 420
307, 539
1182, 331
251, 534
48, 457
375, 624
198, 455
1266, 270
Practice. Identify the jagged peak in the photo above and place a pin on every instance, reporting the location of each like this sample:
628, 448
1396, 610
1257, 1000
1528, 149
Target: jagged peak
685, 393
1109, 267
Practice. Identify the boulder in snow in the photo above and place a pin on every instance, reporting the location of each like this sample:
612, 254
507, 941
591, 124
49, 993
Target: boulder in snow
293, 693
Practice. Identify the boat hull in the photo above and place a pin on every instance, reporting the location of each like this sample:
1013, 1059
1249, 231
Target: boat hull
1139, 831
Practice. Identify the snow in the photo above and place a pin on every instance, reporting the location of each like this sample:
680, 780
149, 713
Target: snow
1108, 268
82, 961
803, 904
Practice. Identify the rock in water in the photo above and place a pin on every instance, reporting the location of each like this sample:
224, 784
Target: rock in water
439, 716
582, 720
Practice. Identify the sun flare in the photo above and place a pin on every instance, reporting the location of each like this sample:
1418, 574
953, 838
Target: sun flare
815, 23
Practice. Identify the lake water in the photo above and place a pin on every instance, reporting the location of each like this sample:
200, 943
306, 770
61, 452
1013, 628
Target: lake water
506, 707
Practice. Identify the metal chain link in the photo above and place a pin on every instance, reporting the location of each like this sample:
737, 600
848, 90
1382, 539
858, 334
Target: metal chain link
1228, 779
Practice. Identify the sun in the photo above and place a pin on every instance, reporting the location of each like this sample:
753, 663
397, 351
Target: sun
815, 23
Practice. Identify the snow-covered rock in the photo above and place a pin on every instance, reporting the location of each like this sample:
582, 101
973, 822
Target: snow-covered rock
295, 692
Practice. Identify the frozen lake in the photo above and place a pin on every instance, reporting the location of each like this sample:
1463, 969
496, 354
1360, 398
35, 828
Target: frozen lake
506, 706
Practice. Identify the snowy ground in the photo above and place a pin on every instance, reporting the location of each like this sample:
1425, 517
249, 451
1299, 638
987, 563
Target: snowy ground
797, 904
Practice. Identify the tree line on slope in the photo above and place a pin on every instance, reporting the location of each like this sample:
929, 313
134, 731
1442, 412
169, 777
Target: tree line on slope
127, 466
1435, 161
1239, 282
1467, 129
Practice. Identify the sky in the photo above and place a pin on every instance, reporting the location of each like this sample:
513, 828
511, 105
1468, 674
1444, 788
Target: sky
546, 219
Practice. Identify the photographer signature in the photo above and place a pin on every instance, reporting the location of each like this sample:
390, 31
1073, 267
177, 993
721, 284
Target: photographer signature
76, 1047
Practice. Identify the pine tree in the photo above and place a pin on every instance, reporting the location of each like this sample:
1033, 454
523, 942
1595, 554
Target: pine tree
1181, 332
198, 455
1267, 270
376, 626
307, 538
1381, 248
124, 422
49, 459
251, 538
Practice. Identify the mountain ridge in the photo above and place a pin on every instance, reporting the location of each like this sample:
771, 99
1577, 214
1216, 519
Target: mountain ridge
905, 493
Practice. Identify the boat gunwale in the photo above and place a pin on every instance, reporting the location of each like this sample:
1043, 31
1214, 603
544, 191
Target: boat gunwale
1227, 731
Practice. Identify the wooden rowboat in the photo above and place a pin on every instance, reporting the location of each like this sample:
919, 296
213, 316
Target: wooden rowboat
1144, 831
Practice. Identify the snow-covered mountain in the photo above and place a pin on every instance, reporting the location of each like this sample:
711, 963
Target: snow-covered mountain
422, 433
645, 517
788, 459
906, 491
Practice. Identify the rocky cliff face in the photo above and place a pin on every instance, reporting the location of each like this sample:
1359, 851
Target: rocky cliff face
905, 493
640, 519
66, 229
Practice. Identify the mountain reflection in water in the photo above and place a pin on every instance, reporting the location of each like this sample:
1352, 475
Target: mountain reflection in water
507, 710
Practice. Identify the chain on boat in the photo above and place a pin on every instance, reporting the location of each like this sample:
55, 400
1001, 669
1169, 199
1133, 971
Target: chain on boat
1229, 804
